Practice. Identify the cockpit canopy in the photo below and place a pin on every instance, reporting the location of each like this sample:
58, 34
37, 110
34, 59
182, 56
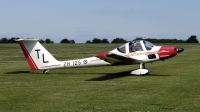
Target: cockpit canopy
135, 45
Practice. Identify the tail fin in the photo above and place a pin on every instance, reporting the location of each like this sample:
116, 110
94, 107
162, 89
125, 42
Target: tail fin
36, 55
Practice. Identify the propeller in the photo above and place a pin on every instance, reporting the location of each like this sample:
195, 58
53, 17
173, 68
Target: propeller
179, 49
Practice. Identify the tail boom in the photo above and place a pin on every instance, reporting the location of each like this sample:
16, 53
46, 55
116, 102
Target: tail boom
39, 58
91, 61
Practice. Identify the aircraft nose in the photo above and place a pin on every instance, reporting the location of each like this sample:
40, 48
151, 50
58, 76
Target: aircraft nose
179, 49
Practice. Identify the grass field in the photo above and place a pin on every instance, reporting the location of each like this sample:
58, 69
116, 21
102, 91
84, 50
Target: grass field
172, 86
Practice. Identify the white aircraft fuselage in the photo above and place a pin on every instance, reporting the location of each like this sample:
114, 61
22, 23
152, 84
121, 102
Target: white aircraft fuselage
134, 52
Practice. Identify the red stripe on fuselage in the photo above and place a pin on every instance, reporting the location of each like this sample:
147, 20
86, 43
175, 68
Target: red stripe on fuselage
29, 59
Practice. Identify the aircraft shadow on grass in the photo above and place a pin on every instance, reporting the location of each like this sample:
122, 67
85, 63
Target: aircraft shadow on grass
20, 72
110, 76
107, 76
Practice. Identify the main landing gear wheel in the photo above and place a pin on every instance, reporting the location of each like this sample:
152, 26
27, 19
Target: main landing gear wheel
45, 71
142, 70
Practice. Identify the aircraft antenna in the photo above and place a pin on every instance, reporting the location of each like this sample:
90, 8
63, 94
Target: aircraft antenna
43, 37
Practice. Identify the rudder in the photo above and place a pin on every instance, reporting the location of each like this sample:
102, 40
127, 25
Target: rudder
36, 55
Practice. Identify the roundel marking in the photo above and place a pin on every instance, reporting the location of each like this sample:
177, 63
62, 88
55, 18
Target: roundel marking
85, 61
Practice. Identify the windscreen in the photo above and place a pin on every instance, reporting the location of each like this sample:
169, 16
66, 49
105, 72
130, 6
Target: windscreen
122, 48
148, 45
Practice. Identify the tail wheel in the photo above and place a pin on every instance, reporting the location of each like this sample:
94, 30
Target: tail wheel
45, 71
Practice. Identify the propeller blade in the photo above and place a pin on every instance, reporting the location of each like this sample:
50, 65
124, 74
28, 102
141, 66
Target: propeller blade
179, 50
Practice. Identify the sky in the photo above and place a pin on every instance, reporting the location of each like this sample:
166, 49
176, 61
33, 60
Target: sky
83, 20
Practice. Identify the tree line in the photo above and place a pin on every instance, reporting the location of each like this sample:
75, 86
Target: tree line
191, 39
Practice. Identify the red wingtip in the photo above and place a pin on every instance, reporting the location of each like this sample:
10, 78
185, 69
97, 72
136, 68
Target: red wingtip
103, 54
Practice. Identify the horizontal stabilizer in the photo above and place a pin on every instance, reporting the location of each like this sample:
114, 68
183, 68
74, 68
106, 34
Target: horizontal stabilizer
33, 39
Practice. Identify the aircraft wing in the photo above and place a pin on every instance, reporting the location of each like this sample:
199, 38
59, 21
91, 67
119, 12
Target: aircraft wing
115, 59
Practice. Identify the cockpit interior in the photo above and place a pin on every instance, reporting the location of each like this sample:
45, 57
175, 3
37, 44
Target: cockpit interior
135, 45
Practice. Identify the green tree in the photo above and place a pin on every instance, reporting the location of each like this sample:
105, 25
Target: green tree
64, 41
48, 41
41, 41
192, 39
119, 40
12, 40
96, 40
4, 40
104, 40
88, 42
72, 41
154, 40
139, 38
67, 41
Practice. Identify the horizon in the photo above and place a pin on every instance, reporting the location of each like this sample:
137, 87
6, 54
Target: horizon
84, 20
140, 38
